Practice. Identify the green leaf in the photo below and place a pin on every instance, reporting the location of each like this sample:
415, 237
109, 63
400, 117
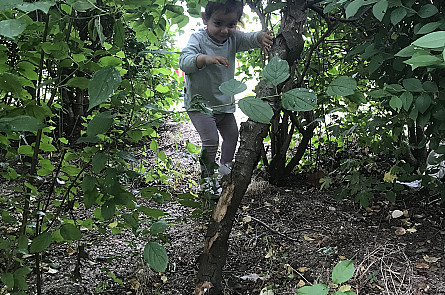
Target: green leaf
318, 289
274, 6
276, 71
90, 197
118, 33
25, 150
423, 60
398, 14
151, 212
432, 40
12, 28
108, 209
22, 244
413, 85
99, 161
232, 87
299, 99
256, 109
379, 9
355, 5
395, 103
79, 82
47, 167
20, 123
40, 243
407, 100
156, 256
9, 4
342, 86
158, 227
100, 123
39, 5
130, 220
70, 232
8, 279
103, 84
343, 271
82, 5
428, 28
423, 102
427, 11
162, 89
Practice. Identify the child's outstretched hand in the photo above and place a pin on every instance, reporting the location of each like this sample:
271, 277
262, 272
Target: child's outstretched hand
265, 39
205, 59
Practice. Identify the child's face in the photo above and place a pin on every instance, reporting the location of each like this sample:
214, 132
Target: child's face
220, 26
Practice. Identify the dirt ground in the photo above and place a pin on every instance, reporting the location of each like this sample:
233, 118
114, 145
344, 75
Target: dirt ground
283, 238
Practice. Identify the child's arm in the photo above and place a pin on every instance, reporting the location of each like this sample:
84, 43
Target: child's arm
265, 39
205, 59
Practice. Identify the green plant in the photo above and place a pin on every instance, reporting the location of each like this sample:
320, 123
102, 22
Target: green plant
342, 272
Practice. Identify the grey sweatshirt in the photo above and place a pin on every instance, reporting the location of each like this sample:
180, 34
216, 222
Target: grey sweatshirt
206, 81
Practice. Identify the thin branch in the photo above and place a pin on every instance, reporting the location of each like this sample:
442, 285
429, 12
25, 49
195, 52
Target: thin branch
273, 230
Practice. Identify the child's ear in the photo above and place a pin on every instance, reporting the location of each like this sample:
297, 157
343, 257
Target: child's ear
204, 18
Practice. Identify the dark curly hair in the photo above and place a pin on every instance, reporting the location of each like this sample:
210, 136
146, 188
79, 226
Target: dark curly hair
229, 6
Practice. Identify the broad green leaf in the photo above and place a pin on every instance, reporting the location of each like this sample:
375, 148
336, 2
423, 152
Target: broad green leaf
7, 278
274, 6
39, 5
108, 209
398, 14
413, 85
118, 33
379, 9
88, 183
103, 84
151, 212
344, 293
20, 123
276, 71
70, 232
90, 197
162, 89
46, 167
342, 86
198, 104
20, 279
428, 28
156, 256
299, 99
100, 123
110, 61
11, 83
40, 243
130, 220
22, 244
423, 102
430, 86
407, 100
158, 227
355, 5
427, 10
126, 156
395, 103
432, 40
256, 109
9, 4
422, 60
413, 114
343, 271
12, 28
232, 87
25, 150
79, 82
318, 289
154, 145
82, 5
99, 161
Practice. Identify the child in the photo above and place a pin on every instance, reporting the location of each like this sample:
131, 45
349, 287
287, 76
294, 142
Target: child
209, 60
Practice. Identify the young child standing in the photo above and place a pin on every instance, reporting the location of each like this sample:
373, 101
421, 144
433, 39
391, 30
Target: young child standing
209, 60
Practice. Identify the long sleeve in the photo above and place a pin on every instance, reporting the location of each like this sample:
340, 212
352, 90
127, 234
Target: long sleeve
187, 60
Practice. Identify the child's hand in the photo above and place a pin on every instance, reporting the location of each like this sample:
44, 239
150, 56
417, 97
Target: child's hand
211, 60
266, 39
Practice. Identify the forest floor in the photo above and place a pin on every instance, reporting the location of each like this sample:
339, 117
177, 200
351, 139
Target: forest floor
283, 238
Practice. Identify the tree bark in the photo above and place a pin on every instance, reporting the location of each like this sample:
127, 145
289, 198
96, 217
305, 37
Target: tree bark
214, 256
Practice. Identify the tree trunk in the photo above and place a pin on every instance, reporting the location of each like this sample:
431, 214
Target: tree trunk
214, 256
